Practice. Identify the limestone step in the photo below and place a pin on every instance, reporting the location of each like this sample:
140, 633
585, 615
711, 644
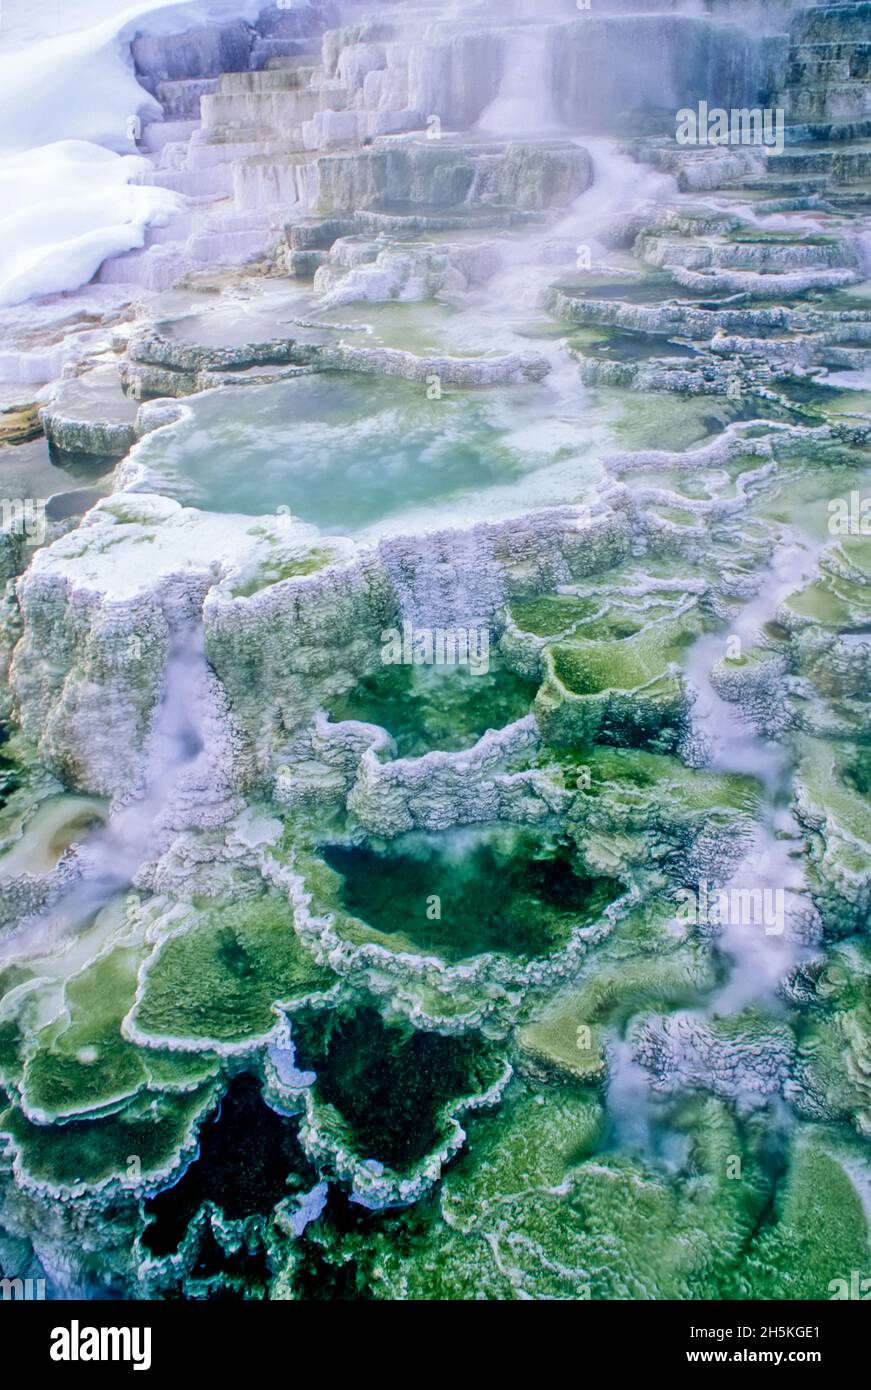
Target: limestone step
334, 130
226, 248
264, 52
329, 130
174, 155
158, 134
843, 23
280, 108
274, 79
231, 247
663, 251
156, 269
804, 71
158, 265
289, 182
206, 155
852, 199
829, 131
180, 98
191, 182
217, 220
842, 165
855, 53
838, 101
176, 230
786, 186
302, 65
90, 414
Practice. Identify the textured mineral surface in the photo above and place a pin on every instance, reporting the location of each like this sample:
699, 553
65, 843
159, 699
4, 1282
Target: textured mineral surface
435, 663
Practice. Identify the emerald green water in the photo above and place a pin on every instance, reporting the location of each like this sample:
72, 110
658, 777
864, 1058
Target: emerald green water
434, 1022
391, 1084
428, 707
346, 452
468, 893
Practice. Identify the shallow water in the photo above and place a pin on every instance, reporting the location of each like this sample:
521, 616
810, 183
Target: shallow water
467, 893
359, 456
384, 1008
437, 707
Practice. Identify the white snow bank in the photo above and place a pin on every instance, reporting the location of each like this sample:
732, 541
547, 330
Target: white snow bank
72, 206
24, 21
81, 85
66, 202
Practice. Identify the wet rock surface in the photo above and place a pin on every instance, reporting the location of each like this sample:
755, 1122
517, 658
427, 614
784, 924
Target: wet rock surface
403, 977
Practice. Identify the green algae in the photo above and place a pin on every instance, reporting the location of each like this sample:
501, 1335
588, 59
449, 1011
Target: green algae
391, 1088
659, 420
532, 1209
838, 817
142, 1144
85, 1064
834, 1057
468, 894
431, 707
609, 655
764, 237
226, 976
447, 1248
269, 574
551, 615
623, 663
548, 1194
612, 693
820, 1234
570, 1032
638, 776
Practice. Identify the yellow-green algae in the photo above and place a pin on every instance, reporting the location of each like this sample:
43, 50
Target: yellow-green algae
226, 976
301, 1088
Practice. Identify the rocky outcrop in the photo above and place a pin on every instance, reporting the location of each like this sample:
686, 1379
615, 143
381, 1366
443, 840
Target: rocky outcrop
447, 936
158, 365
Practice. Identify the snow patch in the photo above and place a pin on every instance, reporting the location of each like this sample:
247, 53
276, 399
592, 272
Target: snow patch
66, 154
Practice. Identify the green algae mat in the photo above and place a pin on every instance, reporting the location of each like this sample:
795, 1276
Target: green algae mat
435, 764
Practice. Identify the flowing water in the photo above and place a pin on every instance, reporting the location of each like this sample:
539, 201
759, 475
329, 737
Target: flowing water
331, 973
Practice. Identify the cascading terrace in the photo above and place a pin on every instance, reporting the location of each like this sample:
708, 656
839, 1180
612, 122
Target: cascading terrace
543, 974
